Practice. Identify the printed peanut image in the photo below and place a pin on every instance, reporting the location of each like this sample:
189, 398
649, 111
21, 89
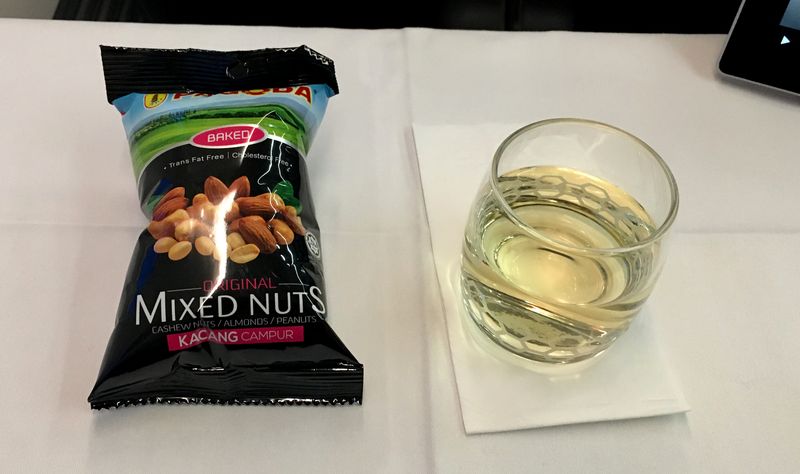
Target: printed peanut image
223, 222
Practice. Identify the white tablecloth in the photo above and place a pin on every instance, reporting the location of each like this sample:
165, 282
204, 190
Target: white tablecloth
69, 218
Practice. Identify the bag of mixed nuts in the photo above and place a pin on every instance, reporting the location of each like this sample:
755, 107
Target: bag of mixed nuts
224, 300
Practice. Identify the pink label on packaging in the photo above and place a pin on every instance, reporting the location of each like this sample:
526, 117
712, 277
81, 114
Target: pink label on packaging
184, 340
229, 135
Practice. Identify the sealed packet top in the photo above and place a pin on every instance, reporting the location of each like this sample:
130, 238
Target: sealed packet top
224, 301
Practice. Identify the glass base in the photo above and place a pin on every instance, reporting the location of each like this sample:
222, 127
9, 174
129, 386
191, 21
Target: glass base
487, 345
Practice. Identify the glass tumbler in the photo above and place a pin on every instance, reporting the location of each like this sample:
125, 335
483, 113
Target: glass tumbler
565, 239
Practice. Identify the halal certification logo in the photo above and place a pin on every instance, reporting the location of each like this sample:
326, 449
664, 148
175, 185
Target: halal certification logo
312, 244
151, 101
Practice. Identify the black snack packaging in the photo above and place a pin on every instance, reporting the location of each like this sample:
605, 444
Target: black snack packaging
224, 300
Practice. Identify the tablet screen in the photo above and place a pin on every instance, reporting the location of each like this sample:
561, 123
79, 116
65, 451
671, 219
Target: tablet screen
764, 44
791, 17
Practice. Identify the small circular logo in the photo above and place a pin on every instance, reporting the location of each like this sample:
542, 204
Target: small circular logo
312, 244
151, 101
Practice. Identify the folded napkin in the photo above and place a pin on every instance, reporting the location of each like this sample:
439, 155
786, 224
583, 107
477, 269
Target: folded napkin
631, 380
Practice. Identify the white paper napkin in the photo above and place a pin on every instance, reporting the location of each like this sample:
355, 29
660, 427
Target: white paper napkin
631, 380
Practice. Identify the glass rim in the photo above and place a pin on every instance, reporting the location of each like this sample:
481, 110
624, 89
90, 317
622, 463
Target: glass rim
655, 237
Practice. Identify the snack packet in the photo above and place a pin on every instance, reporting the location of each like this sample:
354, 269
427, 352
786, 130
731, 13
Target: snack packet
224, 300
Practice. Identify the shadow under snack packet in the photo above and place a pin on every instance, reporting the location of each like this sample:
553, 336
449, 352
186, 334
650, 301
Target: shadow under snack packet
224, 300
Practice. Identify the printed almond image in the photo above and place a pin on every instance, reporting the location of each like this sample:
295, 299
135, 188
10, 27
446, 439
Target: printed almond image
179, 218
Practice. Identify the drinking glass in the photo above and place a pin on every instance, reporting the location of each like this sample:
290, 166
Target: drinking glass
565, 239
